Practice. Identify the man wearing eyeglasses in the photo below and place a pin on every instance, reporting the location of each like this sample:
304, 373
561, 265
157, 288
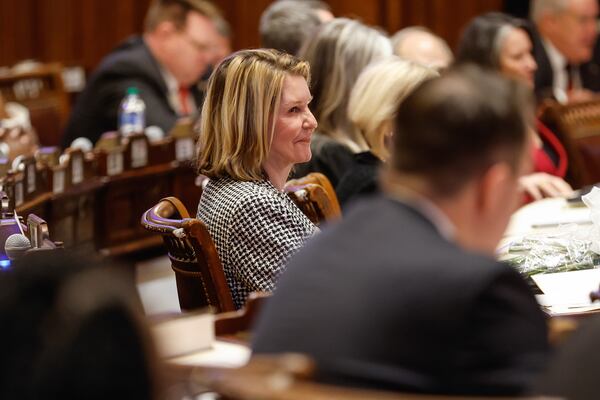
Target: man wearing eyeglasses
564, 49
165, 65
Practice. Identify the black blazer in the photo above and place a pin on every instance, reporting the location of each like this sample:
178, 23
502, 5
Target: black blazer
130, 64
544, 76
329, 157
360, 180
383, 300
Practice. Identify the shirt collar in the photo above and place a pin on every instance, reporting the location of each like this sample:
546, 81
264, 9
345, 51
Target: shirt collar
170, 81
426, 208
558, 63
557, 60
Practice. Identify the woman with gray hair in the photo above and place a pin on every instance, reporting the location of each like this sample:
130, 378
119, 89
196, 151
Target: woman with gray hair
337, 54
502, 43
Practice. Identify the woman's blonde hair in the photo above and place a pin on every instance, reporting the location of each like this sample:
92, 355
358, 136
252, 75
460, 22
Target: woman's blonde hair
377, 95
238, 115
337, 54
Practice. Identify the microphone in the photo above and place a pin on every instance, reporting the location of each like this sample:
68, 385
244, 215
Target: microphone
17, 164
82, 143
16, 245
154, 133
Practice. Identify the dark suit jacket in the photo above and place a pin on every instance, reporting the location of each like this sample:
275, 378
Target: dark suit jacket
130, 64
361, 178
382, 300
329, 157
544, 76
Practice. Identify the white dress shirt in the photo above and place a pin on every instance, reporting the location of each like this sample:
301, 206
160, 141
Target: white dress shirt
173, 93
559, 63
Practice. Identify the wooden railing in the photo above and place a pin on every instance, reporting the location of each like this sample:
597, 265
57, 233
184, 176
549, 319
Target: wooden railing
95, 199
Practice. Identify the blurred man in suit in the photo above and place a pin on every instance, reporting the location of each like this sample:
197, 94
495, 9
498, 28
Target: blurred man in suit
405, 293
165, 64
564, 38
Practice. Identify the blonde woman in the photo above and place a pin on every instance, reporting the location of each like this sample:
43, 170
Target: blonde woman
373, 103
337, 54
255, 126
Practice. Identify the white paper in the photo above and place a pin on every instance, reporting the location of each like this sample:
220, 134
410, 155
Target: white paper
185, 334
568, 288
222, 354
159, 296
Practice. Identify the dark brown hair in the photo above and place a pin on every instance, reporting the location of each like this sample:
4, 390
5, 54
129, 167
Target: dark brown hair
481, 39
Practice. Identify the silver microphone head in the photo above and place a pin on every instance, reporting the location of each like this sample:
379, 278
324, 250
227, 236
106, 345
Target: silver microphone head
16, 245
82, 143
17, 164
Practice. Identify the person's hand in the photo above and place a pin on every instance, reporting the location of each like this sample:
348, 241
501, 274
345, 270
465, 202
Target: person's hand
540, 185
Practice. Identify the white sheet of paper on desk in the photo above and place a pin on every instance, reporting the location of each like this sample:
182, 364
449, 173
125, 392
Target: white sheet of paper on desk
572, 287
221, 354
184, 334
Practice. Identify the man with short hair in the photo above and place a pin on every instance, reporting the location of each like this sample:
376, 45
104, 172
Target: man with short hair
564, 44
165, 64
286, 24
404, 293
419, 44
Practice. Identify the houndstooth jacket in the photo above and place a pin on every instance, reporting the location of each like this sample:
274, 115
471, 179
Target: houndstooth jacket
256, 229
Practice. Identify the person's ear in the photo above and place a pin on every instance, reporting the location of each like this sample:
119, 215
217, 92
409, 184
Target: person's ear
492, 189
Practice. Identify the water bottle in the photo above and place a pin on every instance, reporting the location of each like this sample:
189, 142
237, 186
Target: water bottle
132, 113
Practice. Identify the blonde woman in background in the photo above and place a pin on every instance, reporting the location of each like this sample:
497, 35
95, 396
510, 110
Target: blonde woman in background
373, 103
337, 54
255, 126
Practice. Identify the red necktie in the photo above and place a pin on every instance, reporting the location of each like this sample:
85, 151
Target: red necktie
183, 100
569, 71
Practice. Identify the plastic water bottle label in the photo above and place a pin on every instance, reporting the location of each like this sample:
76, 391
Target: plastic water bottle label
132, 122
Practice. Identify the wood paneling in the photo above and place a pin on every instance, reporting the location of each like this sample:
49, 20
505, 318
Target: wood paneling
83, 31
445, 18
17, 30
70, 31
